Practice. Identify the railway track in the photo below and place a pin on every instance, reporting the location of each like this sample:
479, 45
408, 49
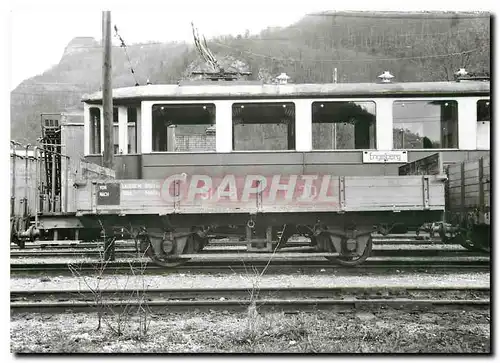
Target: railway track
373, 264
384, 246
389, 251
285, 298
409, 239
379, 252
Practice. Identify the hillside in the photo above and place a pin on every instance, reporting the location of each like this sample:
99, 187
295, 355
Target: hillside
80, 71
360, 45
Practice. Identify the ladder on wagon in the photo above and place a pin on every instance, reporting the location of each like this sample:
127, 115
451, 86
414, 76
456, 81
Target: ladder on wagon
51, 141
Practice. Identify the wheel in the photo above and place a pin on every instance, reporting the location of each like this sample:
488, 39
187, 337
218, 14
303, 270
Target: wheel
461, 240
171, 263
356, 258
469, 245
147, 248
13, 233
477, 239
480, 237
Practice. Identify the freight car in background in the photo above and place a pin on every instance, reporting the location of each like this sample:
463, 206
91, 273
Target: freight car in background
468, 195
261, 163
42, 178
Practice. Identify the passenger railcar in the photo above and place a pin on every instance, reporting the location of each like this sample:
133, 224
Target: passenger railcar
196, 161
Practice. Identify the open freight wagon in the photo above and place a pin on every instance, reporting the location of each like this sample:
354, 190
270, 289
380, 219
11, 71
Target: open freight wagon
174, 218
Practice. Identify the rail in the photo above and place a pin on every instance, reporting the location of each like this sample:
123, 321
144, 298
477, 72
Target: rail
349, 298
237, 264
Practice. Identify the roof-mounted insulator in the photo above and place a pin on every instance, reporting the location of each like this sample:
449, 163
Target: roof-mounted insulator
148, 82
386, 77
463, 75
282, 78
461, 72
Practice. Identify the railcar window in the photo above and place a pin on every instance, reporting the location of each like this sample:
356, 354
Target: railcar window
184, 127
95, 130
343, 125
264, 126
116, 145
483, 110
132, 130
483, 125
425, 124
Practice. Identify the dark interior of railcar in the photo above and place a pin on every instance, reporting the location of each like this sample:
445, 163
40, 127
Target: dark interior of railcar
183, 127
263, 126
343, 125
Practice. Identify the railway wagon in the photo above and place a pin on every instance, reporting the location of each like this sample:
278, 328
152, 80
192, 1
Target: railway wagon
202, 160
467, 198
469, 204
43, 194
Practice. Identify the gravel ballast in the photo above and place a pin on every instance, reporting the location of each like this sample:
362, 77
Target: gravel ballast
248, 280
250, 332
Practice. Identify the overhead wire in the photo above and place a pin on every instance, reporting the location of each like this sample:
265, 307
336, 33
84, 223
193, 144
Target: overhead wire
119, 46
351, 60
124, 46
46, 92
404, 15
415, 35
256, 38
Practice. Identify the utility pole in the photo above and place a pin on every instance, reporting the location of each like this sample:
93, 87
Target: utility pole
107, 96
107, 108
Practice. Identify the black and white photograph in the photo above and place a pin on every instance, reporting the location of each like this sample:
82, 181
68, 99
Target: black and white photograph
249, 178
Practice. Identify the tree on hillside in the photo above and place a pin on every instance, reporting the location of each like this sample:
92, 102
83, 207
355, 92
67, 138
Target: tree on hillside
467, 49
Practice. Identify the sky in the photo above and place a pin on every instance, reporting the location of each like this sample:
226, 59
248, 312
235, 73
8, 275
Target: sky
39, 32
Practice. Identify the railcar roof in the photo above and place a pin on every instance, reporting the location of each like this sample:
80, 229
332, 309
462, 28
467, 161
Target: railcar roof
235, 91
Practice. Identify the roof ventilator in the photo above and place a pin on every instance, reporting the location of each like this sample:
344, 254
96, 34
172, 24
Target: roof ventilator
282, 78
386, 77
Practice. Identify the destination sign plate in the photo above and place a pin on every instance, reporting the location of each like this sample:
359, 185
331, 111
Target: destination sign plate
390, 156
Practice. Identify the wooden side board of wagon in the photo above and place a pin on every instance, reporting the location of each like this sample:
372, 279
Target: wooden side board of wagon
253, 194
